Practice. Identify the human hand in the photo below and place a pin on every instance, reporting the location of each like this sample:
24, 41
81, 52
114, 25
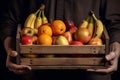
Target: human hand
18, 69
112, 57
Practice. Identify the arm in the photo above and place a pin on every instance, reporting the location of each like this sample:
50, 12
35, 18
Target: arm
11, 54
8, 24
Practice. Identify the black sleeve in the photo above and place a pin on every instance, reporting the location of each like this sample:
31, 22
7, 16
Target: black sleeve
112, 14
10, 18
16, 13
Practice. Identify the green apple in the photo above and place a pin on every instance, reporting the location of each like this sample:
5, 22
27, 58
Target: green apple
27, 31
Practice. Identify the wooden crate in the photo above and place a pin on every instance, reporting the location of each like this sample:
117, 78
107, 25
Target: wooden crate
92, 56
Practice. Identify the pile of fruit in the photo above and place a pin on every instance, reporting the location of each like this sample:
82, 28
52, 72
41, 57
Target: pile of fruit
38, 31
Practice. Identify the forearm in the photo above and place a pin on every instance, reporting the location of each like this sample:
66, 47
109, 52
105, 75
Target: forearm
9, 44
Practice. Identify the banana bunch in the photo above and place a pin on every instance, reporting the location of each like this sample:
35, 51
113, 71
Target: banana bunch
29, 22
93, 24
36, 19
98, 27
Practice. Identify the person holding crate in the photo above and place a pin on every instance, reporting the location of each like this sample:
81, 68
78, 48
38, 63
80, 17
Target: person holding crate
75, 10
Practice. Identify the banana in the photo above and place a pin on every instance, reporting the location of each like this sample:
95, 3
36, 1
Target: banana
30, 20
91, 25
38, 21
99, 27
44, 18
84, 23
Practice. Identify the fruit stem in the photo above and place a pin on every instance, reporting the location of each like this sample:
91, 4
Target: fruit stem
42, 7
37, 11
43, 15
91, 20
87, 19
94, 15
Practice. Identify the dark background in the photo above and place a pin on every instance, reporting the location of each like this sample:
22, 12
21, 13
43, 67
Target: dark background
5, 74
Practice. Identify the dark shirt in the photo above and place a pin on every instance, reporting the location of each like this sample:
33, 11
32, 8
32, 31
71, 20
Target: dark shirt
76, 10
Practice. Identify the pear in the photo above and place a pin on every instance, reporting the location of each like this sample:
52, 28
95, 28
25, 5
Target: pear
61, 40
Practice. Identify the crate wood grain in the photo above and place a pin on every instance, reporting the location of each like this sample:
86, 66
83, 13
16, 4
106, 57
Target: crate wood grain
63, 62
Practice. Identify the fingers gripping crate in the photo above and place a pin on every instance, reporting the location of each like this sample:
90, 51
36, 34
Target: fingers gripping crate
90, 56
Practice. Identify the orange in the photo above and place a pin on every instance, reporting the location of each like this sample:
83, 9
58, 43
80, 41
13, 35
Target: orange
58, 27
44, 39
31, 55
45, 29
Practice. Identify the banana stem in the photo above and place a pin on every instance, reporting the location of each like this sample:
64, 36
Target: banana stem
91, 19
43, 15
87, 19
94, 16
42, 7
37, 11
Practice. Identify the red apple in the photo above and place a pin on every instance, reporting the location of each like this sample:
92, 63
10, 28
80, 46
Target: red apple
95, 41
27, 31
83, 35
76, 43
70, 26
68, 36
73, 29
27, 40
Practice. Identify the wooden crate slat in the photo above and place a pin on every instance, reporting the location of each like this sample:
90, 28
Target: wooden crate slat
69, 67
70, 49
62, 61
